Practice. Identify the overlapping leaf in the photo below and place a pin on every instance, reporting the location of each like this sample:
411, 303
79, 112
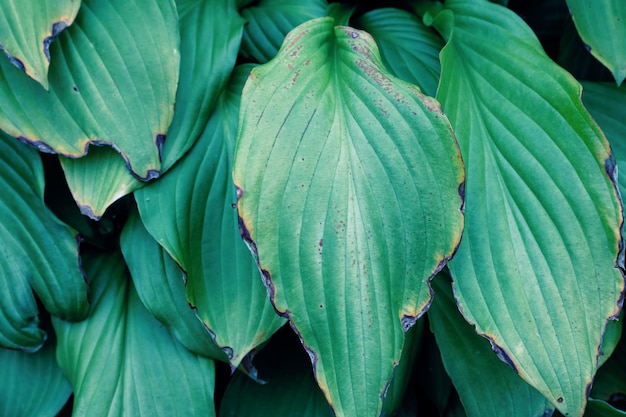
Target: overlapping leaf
190, 212
270, 21
348, 183
37, 251
536, 270
32, 383
160, 284
27, 27
486, 386
100, 178
409, 48
602, 26
113, 79
289, 387
121, 361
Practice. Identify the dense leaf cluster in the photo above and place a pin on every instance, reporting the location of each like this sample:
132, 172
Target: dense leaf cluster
305, 208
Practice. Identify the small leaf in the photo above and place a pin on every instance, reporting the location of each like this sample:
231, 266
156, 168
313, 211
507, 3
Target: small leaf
409, 48
602, 26
121, 361
37, 251
113, 77
486, 386
160, 283
348, 192
32, 383
536, 269
191, 213
270, 21
27, 30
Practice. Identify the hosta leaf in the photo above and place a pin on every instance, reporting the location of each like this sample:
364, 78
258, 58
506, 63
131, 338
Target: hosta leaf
32, 383
597, 408
610, 383
535, 271
486, 386
113, 77
607, 105
121, 361
28, 27
100, 178
348, 183
602, 26
160, 283
201, 233
37, 251
270, 21
289, 388
409, 48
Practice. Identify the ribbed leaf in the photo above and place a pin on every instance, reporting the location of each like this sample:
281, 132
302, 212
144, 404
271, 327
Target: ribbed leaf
486, 386
536, 267
190, 213
113, 77
289, 388
27, 27
602, 26
409, 48
348, 192
270, 21
32, 383
122, 362
607, 105
37, 251
160, 283
100, 178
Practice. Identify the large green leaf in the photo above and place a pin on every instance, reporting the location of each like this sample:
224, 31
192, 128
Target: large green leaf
409, 48
348, 192
113, 77
598, 408
121, 361
37, 251
190, 212
289, 387
487, 387
536, 270
27, 27
269, 22
160, 283
602, 26
32, 383
610, 383
100, 178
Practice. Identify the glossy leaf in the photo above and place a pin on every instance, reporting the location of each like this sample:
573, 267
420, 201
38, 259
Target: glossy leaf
289, 387
28, 27
602, 26
270, 21
409, 48
486, 386
200, 231
160, 284
597, 408
536, 269
37, 251
32, 383
344, 198
112, 77
121, 361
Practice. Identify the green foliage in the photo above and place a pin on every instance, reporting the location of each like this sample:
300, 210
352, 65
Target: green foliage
425, 197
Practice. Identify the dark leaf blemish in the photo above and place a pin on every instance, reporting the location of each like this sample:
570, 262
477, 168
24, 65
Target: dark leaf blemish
40, 146
57, 28
502, 354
